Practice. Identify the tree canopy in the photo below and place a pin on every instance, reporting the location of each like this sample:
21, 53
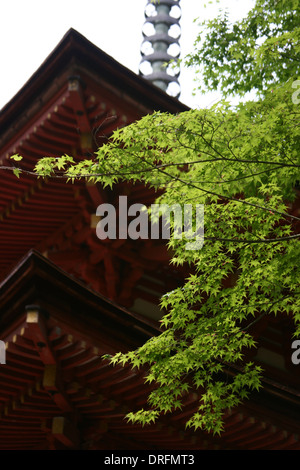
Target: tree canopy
253, 54
242, 163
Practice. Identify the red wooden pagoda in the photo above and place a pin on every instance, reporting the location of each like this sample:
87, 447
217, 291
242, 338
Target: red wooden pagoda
67, 298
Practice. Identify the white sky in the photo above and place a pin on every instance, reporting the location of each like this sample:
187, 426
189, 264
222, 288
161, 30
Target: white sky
31, 29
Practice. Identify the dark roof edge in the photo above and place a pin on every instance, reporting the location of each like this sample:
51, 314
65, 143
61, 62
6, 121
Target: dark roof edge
74, 44
35, 263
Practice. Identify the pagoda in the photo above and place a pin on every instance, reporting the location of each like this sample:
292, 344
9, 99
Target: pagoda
67, 298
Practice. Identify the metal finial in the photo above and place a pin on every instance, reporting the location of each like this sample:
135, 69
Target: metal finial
161, 33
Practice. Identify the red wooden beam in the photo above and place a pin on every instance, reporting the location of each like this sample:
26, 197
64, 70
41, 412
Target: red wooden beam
77, 101
24, 136
38, 333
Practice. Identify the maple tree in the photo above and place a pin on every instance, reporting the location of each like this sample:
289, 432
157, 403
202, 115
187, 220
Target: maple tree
242, 163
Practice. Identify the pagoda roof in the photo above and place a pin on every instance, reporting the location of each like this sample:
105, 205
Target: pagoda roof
76, 50
70, 105
57, 392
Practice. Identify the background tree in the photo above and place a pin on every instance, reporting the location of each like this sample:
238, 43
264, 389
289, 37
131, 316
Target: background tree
242, 163
253, 54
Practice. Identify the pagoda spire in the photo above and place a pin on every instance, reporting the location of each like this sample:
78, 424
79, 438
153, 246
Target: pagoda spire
161, 33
